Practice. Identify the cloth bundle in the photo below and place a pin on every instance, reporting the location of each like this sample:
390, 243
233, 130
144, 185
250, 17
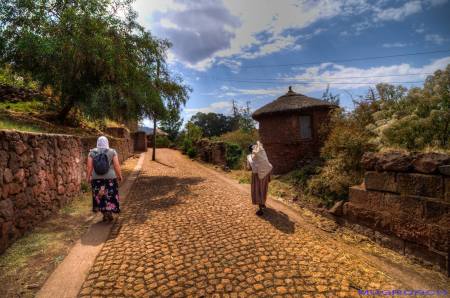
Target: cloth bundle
259, 162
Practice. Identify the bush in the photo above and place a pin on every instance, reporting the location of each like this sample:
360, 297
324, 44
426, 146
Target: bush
233, 155
163, 142
192, 152
240, 137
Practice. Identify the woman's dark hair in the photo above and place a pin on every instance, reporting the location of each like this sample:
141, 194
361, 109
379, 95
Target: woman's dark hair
250, 148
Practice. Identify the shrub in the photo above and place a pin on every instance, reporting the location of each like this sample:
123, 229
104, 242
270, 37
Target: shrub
192, 152
163, 142
233, 155
240, 137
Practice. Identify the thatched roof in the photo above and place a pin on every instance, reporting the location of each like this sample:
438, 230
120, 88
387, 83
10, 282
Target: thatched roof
291, 102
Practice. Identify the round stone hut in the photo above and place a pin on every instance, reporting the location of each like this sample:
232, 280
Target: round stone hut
289, 129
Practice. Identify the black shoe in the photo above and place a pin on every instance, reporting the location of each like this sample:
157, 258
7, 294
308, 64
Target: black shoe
259, 212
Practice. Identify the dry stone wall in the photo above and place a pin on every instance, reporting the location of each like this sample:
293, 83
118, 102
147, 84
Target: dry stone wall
39, 173
211, 152
405, 203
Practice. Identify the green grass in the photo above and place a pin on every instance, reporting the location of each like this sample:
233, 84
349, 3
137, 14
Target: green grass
9, 124
23, 106
24, 249
32, 258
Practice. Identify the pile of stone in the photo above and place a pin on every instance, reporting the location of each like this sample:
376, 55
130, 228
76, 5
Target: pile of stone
405, 201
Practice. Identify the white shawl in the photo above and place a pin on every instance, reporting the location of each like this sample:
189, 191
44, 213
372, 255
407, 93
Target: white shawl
259, 162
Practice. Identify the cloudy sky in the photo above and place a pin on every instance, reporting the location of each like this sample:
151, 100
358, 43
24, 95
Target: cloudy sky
252, 50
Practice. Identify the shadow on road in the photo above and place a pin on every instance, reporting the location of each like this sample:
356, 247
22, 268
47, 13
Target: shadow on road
279, 220
153, 194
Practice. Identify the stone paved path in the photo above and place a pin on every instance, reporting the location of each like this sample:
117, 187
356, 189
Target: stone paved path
184, 232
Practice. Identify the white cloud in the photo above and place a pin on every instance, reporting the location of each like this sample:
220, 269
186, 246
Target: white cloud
435, 38
343, 77
399, 13
216, 107
206, 32
394, 45
340, 77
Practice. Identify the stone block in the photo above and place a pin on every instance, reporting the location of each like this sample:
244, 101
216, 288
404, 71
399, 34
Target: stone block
439, 237
435, 209
430, 162
358, 196
411, 230
420, 185
403, 206
382, 181
394, 161
369, 161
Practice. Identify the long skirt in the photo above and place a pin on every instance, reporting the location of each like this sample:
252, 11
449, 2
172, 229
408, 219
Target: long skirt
105, 195
259, 189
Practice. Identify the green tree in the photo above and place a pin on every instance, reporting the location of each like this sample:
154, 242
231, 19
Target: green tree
212, 124
172, 124
93, 54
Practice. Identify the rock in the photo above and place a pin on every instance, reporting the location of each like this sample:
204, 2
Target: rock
6, 209
444, 170
19, 147
430, 162
369, 161
394, 161
337, 208
19, 176
3, 159
7, 175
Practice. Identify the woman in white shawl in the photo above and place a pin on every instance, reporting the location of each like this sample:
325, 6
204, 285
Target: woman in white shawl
105, 187
261, 168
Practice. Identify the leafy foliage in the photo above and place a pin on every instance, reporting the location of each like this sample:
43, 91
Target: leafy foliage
171, 124
93, 54
241, 137
233, 155
213, 124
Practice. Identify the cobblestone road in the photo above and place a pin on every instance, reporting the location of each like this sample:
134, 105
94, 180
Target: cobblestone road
185, 232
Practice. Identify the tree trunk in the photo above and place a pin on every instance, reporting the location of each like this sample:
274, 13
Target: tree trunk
62, 115
154, 139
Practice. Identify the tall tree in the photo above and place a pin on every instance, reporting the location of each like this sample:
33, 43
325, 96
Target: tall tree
172, 124
93, 53
213, 124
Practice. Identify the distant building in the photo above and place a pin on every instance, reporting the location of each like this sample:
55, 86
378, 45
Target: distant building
289, 129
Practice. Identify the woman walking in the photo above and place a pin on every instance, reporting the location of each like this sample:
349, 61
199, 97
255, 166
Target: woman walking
103, 172
261, 168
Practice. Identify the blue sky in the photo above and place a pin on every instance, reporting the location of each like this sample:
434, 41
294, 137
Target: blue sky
252, 50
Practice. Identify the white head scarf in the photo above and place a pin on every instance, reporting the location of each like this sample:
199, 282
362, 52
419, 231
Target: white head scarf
260, 160
102, 143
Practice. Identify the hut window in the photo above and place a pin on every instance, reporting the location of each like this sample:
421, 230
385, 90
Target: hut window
305, 127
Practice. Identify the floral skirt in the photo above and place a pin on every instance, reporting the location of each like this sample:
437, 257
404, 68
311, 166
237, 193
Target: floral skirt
105, 195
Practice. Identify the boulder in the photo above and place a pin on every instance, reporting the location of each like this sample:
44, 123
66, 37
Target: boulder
369, 161
394, 161
430, 162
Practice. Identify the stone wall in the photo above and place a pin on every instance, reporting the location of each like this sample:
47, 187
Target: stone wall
140, 141
39, 173
280, 135
405, 203
211, 152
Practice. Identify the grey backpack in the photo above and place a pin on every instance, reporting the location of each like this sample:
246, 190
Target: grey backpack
101, 163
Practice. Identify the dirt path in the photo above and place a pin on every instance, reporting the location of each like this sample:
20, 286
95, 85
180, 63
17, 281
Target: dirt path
184, 231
